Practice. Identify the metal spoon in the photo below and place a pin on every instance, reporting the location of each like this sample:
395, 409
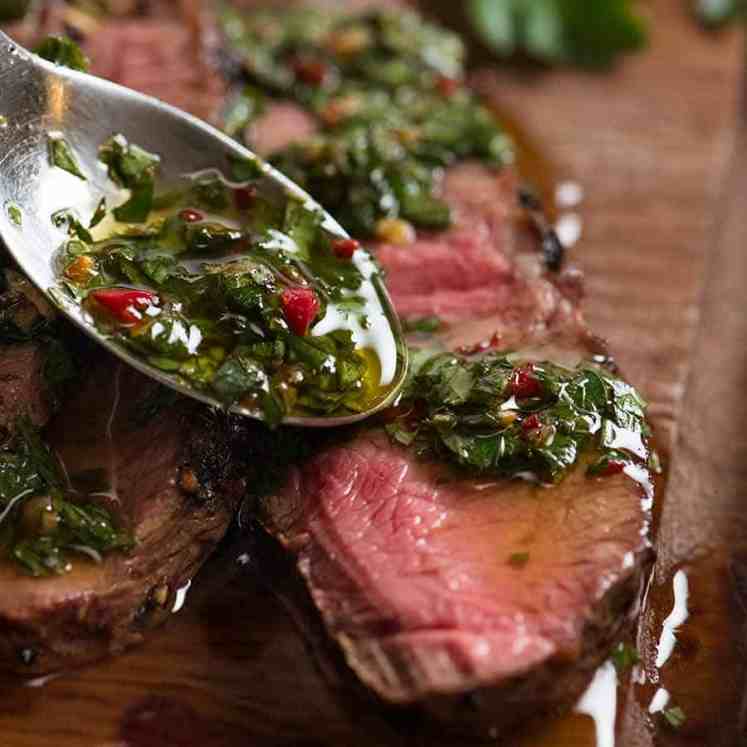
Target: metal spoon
38, 98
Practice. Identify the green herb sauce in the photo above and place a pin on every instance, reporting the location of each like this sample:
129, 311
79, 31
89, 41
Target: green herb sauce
43, 525
386, 90
250, 300
501, 415
63, 51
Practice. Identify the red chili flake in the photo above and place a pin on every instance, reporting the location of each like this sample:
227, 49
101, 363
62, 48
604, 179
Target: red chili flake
447, 86
312, 72
244, 197
300, 306
191, 216
531, 423
613, 467
345, 248
125, 304
524, 383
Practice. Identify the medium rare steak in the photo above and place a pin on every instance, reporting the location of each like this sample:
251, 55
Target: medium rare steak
479, 601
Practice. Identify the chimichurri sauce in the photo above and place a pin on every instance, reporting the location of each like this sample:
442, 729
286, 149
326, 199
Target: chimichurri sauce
387, 93
499, 414
238, 294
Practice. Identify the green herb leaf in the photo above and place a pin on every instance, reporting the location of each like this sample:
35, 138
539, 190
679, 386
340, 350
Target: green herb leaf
63, 51
138, 207
74, 226
211, 193
61, 155
518, 559
134, 168
469, 413
590, 35
31, 493
624, 656
245, 169
128, 165
10, 10
14, 214
245, 106
674, 716
99, 214
425, 325
389, 122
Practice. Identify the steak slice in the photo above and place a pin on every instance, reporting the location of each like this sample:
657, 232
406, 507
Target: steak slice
415, 575
476, 601
23, 388
166, 476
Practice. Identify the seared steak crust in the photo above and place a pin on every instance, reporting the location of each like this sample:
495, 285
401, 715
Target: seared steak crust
167, 476
171, 477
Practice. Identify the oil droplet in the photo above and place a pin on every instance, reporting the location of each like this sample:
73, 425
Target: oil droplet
660, 701
677, 617
3, 122
600, 702
569, 229
181, 596
568, 194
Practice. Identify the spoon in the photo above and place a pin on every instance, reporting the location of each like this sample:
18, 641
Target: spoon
39, 98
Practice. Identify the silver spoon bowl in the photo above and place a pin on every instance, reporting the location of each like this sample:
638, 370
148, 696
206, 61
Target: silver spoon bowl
39, 99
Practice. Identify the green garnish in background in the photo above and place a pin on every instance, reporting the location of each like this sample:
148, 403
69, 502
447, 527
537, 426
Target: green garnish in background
63, 51
575, 32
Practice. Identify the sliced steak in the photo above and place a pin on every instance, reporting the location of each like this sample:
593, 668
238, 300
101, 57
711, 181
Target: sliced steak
166, 476
412, 573
411, 568
23, 387
169, 475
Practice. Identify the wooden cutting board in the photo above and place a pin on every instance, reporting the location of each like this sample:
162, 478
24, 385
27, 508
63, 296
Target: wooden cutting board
652, 145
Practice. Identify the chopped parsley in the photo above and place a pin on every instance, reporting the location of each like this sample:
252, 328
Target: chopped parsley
386, 90
518, 559
674, 716
63, 51
134, 168
11, 10
423, 325
241, 109
61, 155
99, 214
222, 288
624, 656
14, 214
576, 32
42, 526
501, 415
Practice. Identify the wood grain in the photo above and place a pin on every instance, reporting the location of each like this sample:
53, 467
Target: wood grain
650, 144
